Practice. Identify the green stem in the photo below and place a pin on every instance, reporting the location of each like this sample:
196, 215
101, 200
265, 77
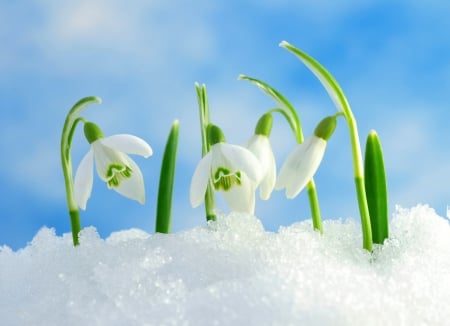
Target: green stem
337, 95
359, 177
314, 206
204, 121
70, 124
166, 182
291, 116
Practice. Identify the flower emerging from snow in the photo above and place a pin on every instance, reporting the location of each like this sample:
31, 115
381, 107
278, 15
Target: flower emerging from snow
260, 146
303, 162
232, 169
113, 165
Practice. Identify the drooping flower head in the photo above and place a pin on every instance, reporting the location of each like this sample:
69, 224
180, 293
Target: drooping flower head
232, 169
303, 162
259, 145
112, 163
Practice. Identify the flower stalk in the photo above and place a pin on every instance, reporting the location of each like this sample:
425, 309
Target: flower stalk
337, 95
290, 114
70, 124
204, 122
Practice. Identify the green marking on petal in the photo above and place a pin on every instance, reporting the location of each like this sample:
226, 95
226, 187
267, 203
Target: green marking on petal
224, 179
116, 173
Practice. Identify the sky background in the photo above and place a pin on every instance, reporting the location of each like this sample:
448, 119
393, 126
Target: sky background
142, 58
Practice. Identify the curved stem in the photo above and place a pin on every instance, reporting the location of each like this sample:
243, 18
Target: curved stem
288, 111
70, 124
337, 95
289, 120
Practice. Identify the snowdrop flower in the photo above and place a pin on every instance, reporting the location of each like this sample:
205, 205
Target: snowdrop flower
259, 145
303, 162
113, 165
232, 169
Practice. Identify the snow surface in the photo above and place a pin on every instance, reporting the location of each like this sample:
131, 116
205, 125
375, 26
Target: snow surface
232, 272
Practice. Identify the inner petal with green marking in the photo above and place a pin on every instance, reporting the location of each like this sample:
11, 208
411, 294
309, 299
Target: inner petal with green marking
224, 179
115, 173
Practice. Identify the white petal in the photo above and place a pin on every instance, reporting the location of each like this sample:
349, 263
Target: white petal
83, 180
239, 158
132, 187
260, 146
128, 144
104, 156
200, 180
268, 183
241, 198
301, 165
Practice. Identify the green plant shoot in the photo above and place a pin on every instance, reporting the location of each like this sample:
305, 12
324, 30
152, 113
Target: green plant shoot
376, 188
204, 122
337, 95
70, 124
291, 116
166, 182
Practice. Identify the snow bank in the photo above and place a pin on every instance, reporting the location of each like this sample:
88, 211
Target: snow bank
232, 272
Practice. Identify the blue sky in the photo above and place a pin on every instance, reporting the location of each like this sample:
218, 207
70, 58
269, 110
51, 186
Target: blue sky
143, 58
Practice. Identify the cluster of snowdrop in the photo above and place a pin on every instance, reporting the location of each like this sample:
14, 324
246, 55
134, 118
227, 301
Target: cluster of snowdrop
236, 171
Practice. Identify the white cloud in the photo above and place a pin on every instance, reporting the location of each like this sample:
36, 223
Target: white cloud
147, 35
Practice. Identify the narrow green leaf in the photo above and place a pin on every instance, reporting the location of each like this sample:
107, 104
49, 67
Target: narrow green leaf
166, 181
286, 107
270, 91
329, 83
376, 188
203, 106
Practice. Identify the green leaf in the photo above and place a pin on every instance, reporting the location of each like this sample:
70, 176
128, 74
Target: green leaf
286, 107
166, 182
203, 106
376, 188
329, 83
270, 91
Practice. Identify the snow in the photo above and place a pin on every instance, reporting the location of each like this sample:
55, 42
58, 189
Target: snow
233, 272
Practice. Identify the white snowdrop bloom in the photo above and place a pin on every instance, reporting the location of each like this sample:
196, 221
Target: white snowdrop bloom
260, 146
300, 166
303, 162
233, 169
113, 165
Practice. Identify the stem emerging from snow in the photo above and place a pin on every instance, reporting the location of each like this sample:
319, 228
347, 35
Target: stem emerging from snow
204, 121
70, 124
339, 99
289, 112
